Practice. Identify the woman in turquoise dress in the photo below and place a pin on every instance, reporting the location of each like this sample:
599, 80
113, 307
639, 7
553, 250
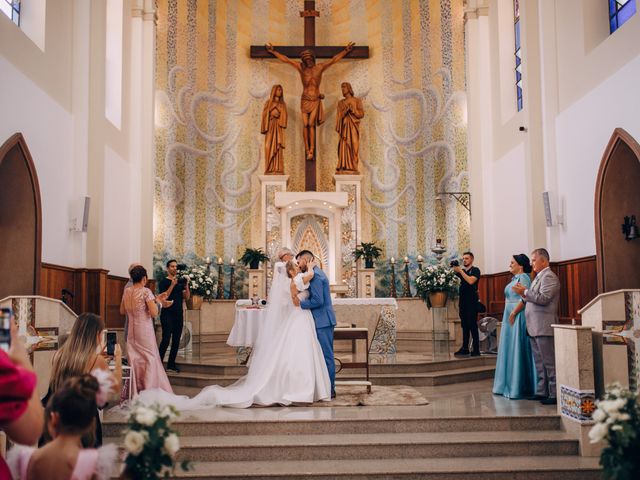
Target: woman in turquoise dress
515, 371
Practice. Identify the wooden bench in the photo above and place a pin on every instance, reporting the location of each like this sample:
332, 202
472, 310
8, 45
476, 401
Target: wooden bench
355, 334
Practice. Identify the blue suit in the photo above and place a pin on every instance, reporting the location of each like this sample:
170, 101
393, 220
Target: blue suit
319, 302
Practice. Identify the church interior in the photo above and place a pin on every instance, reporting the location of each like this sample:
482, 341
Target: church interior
145, 131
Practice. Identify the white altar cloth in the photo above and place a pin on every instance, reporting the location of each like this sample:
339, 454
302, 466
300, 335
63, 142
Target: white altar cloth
246, 326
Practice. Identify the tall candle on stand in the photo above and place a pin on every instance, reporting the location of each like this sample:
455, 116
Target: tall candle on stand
220, 290
406, 286
393, 292
232, 281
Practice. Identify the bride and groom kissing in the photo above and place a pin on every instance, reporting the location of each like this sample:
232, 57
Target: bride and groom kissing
292, 359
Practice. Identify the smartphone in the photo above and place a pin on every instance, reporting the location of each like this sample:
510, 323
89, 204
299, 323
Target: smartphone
6, 316
112, 339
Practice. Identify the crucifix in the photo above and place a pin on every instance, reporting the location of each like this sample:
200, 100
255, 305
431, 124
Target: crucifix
311, 76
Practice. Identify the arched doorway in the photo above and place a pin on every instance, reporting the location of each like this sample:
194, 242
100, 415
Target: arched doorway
20, 220
617, 196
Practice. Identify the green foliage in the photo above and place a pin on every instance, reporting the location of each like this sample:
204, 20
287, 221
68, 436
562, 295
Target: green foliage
618, 424
151, 443
253, 255
367, 251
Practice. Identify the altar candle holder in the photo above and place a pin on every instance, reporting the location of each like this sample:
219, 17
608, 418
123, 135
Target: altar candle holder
420, 262
220, 291
393, 292
207, 262
232, 281
406, 286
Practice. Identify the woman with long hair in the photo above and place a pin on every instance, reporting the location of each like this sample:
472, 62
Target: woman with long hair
82, 353
139, 304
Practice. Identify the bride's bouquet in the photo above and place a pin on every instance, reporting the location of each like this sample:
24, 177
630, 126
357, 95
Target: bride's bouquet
150, 442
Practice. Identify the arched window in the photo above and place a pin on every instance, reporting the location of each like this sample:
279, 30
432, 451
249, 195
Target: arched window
619, 12
11, 8
518, 52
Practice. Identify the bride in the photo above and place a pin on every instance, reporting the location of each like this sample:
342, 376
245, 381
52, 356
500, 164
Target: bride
287, 364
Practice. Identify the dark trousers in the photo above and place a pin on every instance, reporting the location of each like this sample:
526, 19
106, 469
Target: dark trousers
171, 330
468, 314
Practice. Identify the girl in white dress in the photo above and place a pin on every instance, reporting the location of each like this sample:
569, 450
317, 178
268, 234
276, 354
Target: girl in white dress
286, 366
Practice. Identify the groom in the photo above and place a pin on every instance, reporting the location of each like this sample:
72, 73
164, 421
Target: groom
319, 302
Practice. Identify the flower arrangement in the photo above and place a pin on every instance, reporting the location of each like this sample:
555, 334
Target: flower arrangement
150, 443
200, 281
618, 424
437, 278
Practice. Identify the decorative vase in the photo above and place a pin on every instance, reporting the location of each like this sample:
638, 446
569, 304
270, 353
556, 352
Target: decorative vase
254, 264
438, 299
194, 302
368, 263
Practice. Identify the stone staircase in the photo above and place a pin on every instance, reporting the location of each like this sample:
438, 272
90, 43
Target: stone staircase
279, 446
444, 372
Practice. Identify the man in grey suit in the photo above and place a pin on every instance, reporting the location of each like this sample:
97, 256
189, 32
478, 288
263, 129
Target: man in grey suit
541, 311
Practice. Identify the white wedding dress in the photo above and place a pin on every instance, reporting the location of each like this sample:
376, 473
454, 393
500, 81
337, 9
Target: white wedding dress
286, 365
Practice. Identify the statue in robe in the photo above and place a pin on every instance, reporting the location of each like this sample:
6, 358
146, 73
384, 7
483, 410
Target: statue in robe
274, 121
348, 116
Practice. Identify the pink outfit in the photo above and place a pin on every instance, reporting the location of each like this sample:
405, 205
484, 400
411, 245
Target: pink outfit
142, 349
85, 468
16, 385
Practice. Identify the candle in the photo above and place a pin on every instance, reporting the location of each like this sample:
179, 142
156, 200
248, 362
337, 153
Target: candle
219, 260
420, 259
393, 261
207, 260
406, 259
233, 262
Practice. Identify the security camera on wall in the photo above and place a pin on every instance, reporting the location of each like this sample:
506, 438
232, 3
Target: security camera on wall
79, 221
552, 211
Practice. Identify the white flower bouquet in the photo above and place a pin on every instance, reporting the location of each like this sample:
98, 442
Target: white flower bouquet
437, 278
200, 282
618, 424
150, 443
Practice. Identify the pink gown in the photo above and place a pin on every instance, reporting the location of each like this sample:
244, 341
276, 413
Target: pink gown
142, 349
91, 462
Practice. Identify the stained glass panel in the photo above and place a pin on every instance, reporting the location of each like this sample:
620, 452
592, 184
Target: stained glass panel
518, 53
11, 8
619, 12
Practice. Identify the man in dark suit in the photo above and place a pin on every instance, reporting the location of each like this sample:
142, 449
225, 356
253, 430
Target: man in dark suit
541, 311
176, 289
319, 302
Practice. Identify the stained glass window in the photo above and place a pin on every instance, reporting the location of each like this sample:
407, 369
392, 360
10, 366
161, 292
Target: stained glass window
518, 53
619, 12
11, 8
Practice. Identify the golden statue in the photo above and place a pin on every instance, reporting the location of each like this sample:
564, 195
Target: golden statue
274, 121
348, 115
311, 101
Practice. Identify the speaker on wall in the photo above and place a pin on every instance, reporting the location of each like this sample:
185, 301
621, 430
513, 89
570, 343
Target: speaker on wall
80, 215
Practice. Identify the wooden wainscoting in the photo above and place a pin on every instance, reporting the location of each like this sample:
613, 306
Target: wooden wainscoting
93, 289
578, 286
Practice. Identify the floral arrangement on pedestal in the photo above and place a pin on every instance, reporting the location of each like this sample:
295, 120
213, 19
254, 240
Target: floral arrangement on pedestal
618, 425
437, 279
200, 281
150, 442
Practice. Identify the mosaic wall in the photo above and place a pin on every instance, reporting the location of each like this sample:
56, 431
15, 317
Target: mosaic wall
209, 101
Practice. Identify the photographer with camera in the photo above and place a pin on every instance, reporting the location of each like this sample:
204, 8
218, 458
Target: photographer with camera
172, 317
468, 303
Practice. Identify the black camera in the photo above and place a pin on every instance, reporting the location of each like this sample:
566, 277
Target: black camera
454, 263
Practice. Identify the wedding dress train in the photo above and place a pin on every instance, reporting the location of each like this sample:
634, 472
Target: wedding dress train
286, 365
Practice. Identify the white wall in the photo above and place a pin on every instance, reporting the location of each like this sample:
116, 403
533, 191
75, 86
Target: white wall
48, 131
582, 132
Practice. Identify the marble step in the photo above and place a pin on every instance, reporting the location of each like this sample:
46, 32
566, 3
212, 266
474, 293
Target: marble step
373, 446
445, 377
399, 367
470, 468
195, 424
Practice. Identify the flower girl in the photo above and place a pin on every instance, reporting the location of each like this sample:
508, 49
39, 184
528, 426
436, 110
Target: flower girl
70, 415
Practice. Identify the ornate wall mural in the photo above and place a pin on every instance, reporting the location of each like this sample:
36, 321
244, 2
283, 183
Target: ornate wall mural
209, 100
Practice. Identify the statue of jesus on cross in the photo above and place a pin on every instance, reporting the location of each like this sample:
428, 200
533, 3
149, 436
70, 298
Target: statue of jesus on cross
311, 100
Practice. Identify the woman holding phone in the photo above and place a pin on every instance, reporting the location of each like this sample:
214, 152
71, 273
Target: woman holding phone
140, 306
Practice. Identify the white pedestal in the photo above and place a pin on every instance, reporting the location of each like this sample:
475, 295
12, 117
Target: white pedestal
257, 283
367, 282
440, 334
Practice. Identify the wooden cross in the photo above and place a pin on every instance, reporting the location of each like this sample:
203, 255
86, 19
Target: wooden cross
309, 14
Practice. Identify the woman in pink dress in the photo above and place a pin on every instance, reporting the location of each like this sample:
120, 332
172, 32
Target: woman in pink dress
139, 304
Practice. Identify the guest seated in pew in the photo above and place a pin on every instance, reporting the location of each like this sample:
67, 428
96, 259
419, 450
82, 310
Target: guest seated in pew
70, 417
84, 352
21, 414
